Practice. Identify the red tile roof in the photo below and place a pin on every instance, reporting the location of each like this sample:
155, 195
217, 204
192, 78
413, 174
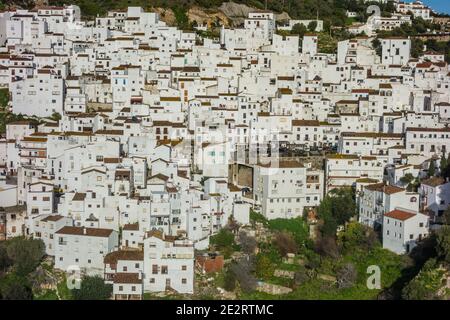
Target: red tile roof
399, 215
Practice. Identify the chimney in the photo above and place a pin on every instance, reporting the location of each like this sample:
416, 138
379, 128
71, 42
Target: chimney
84, 230
140, 276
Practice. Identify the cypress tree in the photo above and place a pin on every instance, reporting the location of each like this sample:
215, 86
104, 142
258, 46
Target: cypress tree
431, 169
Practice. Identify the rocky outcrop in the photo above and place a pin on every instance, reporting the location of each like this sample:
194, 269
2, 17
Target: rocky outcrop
206, 16
272, 288
237, 12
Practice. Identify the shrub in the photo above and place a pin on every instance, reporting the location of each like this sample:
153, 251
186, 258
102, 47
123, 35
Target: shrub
285, 243
93, 288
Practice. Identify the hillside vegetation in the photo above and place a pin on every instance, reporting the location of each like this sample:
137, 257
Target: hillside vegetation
331, 11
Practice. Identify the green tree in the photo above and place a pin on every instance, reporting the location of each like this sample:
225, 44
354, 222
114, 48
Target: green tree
92, 288
299, 29
4, 98
25, 254
312, 26
357, 237
336, 209
431, 169
224, 238
181, 17
407, 178
443, 166
224, 242
443, 243
55, 116
15, 287
5, 261
229, 282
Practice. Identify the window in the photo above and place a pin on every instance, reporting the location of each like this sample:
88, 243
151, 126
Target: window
155, 269
411, 236
152, 280
120, 288
184, 268
133, 288
184, 281
164, 270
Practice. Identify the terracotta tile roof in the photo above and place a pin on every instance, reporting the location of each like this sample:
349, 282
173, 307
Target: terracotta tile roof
381, 187
171, 189
90, 232
131, 226
160, 176
434, 181
79, 196
305, 123
127, 278
53, 218
113, 257
399, 215
428, 129
112, 160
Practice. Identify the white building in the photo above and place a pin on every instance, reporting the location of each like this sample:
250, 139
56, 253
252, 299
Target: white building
168, 263
435, 196
395, 51
83, 248
402, 230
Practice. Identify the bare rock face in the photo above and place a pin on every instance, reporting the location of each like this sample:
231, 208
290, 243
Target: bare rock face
166, 15
206, 16
282, 17
237, 12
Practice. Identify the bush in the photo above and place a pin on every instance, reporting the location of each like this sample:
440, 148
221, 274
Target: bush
426, 284
15, 287
301, 277
223, 239
358, 237
443, 243
229, 280
258, 217
297, 227
93, 288
264, 268
247, 243
285, 243
327, 246
243, 271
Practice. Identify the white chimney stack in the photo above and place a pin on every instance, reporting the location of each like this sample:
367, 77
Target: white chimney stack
84, 230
